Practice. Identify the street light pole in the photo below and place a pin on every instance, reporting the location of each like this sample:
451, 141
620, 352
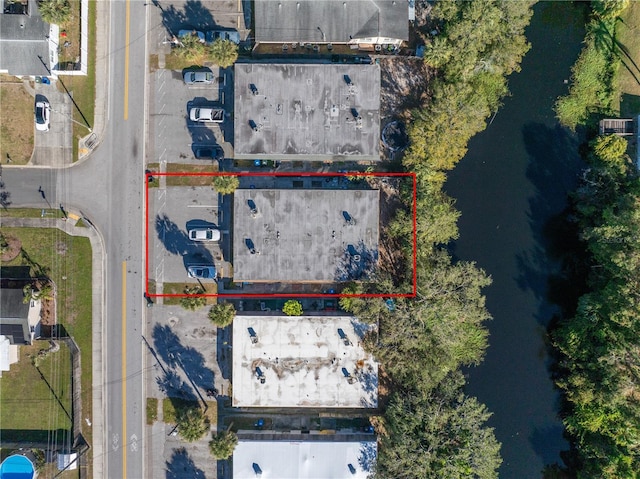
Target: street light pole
324, 38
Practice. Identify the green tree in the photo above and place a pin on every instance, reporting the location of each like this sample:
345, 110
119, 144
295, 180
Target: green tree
192, 49
222, 444
612, 151
226, 184
192, 423
55, 11
222, 314
223, 52
195, 300
292, 308
30, 292
439, 434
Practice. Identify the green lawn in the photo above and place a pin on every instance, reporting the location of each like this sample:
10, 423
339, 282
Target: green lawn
68, 262
35, 402
628, 36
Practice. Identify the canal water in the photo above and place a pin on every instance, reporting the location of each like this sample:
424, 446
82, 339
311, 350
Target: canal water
512, 189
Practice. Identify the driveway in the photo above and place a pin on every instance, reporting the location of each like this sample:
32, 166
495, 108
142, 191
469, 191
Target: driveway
54, 148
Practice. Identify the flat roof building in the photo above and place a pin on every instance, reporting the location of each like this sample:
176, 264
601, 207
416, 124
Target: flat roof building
307, 112
304, 459
305, 235
302, 361
354, 22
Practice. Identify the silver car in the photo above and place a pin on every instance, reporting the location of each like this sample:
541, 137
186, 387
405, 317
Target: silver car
203, 76
42, 113
208, 115
202, 272
204, 234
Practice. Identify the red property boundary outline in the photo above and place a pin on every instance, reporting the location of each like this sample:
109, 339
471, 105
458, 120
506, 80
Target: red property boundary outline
286, 295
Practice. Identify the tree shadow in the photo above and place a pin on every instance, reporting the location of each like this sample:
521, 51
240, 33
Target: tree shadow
181, 466
357, 263
176, 241
173, 238
178, 357
192, 16
549, 270
367, 456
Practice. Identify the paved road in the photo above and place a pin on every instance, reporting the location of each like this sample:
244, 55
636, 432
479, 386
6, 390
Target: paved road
108, 189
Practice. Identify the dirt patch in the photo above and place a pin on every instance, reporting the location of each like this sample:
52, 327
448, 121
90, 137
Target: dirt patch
12, 249
16, 124
391, 250
404, 85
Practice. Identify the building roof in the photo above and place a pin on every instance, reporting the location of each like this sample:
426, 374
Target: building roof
14, 316
24, 39
304, 459
302, 361
305, 235
330, 21
307, 112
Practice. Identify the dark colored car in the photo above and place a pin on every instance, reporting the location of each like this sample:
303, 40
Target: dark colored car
209, 153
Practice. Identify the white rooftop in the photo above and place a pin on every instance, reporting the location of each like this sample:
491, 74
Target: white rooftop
303, 460
302, 361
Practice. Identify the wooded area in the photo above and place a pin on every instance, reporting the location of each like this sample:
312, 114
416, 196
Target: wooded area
430, 428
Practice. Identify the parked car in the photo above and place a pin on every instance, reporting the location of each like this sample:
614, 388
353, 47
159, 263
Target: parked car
186, 33
202, 271
204, 234
42, 114
231, 35
215, 115
203, 76
209, 153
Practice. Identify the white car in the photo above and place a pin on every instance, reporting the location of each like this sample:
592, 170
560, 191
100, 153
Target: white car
211, 115
204, 234
42, 113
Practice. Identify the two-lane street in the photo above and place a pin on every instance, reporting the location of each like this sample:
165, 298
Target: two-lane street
108, 189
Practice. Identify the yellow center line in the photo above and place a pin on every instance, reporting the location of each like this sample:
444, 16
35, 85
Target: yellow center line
124, 369
126, 59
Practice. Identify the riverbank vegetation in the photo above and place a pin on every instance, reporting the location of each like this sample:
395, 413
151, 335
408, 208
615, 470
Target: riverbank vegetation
599, 360
593, 77
599, 346
430, 428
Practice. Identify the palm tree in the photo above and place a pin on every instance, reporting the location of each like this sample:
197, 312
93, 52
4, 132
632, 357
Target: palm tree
57, 12
223, 53
222, 314
44, 293
195, 299
225, 185
192, 423
223, 444
192, 49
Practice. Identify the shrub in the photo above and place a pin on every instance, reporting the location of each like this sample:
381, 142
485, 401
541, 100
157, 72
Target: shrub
292, 308
222, 314
225, 185
223, 444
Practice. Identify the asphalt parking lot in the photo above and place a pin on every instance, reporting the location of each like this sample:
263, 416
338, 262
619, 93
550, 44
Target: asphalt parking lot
174, 136
181, 351
172, 212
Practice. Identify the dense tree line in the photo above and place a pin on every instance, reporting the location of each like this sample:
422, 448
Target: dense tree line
430, 428
600, 346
